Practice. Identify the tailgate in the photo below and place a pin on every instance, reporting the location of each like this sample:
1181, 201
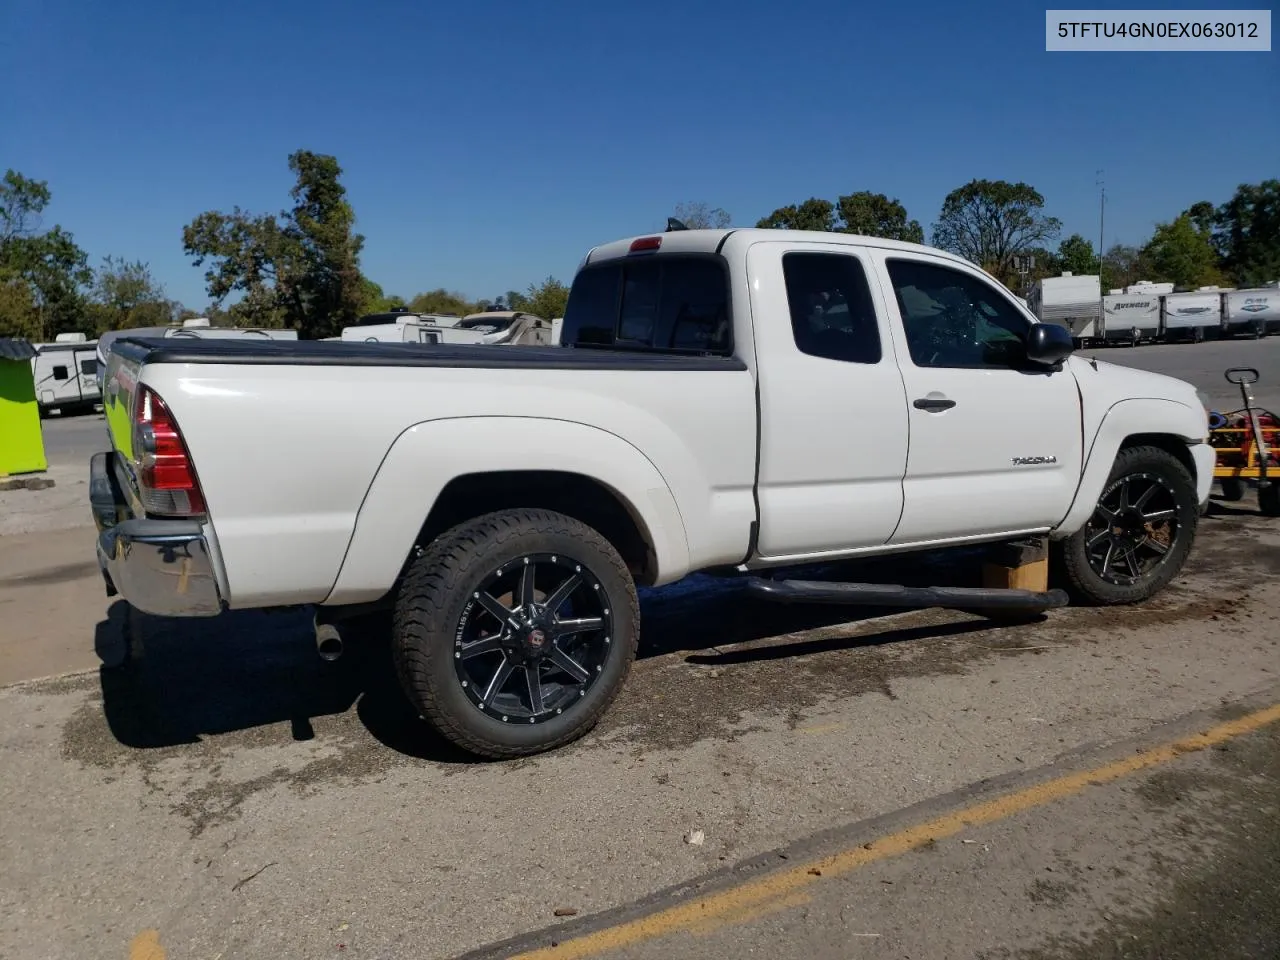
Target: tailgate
119, 385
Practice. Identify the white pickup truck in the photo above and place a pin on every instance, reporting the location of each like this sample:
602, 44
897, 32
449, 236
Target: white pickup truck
728, 399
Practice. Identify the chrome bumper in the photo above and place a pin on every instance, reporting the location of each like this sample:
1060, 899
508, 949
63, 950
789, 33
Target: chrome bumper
162, 567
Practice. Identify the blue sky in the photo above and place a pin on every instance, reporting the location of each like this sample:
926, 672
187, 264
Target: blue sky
490, 145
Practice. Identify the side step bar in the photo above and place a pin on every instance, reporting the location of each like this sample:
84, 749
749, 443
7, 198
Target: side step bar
894, 595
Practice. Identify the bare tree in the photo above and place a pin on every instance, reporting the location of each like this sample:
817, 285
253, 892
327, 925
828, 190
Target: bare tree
699, 216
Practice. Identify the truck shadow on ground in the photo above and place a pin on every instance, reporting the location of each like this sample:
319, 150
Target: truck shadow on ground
168, 682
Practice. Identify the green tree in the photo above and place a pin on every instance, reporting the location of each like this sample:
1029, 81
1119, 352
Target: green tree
875, 215
1125, 265
1076, 255
1181, 252
547, 299
1202, 215
697, 215
126, 295
989, 221
19, 316
49, 263
813, 214
515, 300
442, 301
300, 270
22, 201
1247, 233
374, 300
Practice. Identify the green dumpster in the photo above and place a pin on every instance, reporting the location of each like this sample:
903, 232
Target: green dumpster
21, 442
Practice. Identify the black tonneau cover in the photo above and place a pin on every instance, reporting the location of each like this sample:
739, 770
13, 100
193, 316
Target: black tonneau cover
338, 353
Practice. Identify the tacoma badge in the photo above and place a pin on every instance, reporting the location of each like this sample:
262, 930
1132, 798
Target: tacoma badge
1032, 461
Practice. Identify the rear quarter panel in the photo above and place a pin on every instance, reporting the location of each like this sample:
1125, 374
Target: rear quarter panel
286, 455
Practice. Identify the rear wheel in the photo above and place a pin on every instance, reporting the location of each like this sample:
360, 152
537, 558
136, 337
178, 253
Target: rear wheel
1139, 535
515, 631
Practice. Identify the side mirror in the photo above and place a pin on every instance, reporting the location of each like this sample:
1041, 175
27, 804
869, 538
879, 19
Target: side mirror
1049, 343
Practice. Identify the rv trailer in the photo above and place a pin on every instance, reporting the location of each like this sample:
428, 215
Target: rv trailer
1130, 317
1071, 301
65, 375
1186, 316
1250, 311
504, 328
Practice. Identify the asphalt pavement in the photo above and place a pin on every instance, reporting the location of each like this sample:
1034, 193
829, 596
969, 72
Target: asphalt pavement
774, 781
1204, 364
72, 439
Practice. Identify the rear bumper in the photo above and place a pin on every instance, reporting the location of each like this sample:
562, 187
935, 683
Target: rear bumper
162, 567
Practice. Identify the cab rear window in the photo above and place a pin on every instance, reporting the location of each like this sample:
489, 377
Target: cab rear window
670, 304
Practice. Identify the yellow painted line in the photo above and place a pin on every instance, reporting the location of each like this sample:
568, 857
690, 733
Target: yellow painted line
146, 946
755, 898
821, 728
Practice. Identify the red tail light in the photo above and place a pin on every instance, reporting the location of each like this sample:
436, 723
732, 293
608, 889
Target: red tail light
165, 473
645, 243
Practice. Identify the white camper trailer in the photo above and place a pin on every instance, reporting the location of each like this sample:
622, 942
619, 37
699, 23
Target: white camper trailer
1130, 317
407, 328
65, 376
1071, 301
509, 328
1250, 311
1188, 315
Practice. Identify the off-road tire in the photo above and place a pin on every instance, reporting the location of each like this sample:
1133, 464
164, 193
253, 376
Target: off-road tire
1069, 556
430, 604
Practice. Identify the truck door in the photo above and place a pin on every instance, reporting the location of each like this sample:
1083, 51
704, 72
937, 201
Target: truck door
833, 422
995, 441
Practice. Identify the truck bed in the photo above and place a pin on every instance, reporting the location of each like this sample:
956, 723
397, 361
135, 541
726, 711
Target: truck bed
336, 353
367, 435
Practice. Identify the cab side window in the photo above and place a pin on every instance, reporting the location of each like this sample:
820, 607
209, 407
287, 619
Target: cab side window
954, 319
832, 313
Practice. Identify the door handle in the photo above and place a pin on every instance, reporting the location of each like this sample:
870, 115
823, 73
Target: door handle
933, 404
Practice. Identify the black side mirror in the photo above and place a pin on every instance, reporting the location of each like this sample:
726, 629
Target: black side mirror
1049, 344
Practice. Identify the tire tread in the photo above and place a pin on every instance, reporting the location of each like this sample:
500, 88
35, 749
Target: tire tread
434, 578
1084, 586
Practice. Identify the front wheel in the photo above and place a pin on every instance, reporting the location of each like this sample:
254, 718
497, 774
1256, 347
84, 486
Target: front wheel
1139, 535
515, 631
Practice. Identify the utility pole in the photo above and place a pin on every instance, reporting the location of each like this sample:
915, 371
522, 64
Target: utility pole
1101, 183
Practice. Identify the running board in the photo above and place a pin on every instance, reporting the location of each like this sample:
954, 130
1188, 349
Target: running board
894, 595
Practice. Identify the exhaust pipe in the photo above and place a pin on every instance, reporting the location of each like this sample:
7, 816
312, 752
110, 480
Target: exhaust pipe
328, 642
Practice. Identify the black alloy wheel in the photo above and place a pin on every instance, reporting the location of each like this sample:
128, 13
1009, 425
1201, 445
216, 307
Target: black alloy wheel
533, 638
1139, 535
1133, 528
514, 631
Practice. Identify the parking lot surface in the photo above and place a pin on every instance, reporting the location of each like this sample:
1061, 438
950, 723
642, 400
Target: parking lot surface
773, 781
